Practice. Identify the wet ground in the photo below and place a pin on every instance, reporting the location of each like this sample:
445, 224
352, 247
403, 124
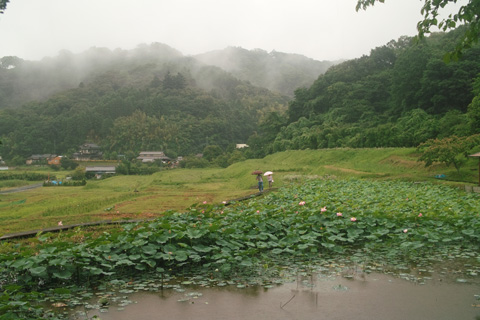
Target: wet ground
361, 297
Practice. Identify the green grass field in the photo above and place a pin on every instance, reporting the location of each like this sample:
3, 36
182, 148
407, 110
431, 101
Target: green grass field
116, 198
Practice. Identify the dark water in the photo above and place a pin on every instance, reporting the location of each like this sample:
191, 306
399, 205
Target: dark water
372, 296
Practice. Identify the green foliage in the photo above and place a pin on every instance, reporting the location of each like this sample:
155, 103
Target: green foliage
467, 15
29, 176
401, 95
66, 163
451, 150
174, 82
405, 222
16, 303
3, 5
194, 162
79, 174
474, 108
211, 152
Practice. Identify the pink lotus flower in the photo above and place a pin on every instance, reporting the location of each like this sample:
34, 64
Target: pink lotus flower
323, 209
301, 203
353, 219
339, 214
60, 223
405, 230
204, 202
224, 202
420, 215
258, 211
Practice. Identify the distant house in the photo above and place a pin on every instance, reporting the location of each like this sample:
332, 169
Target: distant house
55, 161
241, 145
100, 170
87, 152
39, 158
152, 156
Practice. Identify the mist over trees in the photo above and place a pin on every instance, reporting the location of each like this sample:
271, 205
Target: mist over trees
151, 98
276, 71
400, 95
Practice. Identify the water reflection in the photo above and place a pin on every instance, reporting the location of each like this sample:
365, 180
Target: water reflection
318, 296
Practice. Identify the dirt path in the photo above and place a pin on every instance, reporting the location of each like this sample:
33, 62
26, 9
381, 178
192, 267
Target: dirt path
20, 189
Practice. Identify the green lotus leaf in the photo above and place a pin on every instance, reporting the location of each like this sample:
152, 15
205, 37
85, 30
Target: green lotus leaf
37, 271
63, 274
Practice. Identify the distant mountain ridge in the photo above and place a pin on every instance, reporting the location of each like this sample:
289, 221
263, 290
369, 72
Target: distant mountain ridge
22, 81
276, 71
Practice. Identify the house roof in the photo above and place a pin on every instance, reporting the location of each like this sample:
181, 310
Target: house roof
90, 146
152, 153
42, 156
100, 169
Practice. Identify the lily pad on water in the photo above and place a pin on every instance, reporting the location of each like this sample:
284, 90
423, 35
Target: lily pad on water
340, 288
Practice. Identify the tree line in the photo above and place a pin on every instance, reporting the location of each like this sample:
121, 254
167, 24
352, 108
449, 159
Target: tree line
400, 95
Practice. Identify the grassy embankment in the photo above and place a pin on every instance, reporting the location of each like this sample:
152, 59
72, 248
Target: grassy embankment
115, 198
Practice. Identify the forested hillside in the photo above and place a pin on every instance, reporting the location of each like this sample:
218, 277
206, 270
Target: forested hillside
400, 95
149, 99
277, 71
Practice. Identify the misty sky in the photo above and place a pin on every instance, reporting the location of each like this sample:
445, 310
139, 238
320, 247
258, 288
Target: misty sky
319, 29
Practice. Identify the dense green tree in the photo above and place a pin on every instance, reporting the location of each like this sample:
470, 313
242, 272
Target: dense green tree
474, 108
211, 152
3, 5
406, 78
468, 14
67, 163
450, 151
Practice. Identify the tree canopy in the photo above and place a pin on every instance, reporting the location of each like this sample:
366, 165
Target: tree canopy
3, 5
468, 14
401, 95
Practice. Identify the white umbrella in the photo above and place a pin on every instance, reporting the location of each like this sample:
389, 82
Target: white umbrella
268, 173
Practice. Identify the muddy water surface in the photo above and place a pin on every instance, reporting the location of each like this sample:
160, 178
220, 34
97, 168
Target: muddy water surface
373, 296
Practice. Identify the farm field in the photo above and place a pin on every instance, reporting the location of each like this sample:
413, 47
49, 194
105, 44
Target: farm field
116, 198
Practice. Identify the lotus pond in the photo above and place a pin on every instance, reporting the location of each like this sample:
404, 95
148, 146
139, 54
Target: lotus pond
299, 235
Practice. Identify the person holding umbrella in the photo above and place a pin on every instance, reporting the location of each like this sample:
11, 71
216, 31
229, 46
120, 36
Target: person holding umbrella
269, 178
259, 179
